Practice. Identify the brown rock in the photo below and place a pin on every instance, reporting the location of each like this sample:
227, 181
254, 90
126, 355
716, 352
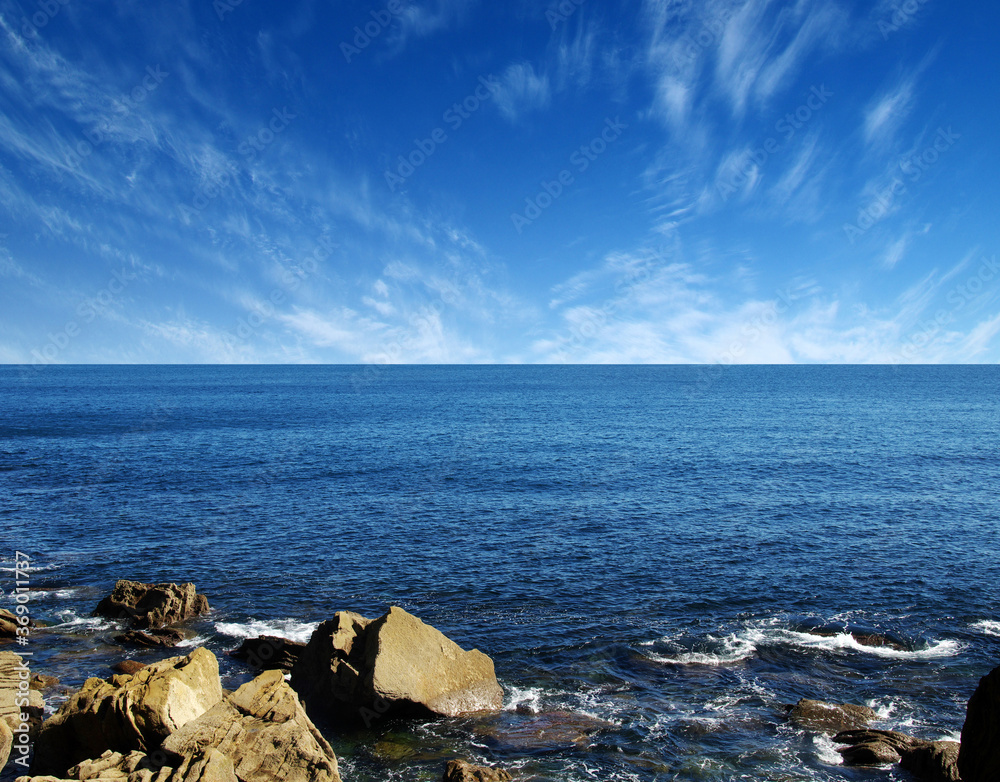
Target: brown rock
830, 717
929, 761
212, 766
266, 733
152, 639
6, 742
269, 653
39, 681
152, 605
461, 771
549, 731
360, 670
9, 625
128, 667
979, 756
15, 683
933, 761
128, 713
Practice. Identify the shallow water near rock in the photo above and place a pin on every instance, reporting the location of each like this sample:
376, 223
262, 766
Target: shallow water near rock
656, 558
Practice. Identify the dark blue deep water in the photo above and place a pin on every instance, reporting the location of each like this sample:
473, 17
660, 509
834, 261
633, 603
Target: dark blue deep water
644, 551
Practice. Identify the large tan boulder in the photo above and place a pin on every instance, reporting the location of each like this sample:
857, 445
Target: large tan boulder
264, 730
979, 757
212, 766
152, 605
360, 669
128, 712
15, 687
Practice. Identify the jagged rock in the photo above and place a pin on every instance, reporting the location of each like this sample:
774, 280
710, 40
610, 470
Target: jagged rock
360, 670
212, 766
979, 757
830, 717
128, 713
461, 771
152, 605
268, 652
264, 730
128, 667
930, 761
15, 684
151, 640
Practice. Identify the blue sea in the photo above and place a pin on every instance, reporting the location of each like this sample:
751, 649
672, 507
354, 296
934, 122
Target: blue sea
656, 558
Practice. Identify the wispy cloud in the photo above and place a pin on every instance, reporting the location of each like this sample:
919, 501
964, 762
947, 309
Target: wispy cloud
522, 90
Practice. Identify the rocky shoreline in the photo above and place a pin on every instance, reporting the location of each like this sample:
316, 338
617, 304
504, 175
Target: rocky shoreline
172, 721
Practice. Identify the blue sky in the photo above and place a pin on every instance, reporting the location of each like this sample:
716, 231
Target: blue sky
435, 181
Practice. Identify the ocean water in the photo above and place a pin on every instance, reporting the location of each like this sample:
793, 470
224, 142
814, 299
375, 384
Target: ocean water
645, 552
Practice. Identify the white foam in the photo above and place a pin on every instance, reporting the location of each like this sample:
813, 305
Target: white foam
988, 627
198, 640
734, 648
847, 642
71, 621
530, 698
883, 709
826, 750
291, 629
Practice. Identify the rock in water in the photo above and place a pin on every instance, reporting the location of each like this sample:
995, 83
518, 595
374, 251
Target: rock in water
929, 761
152, 605
979, 757
269, 652
128, 666
360, 670
128, 713
266, 733
9, 625
460, 771
830, 717
151, 640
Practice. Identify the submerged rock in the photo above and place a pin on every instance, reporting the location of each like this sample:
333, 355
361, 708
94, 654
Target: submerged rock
551, 731
128, 667
128, 713
152, 605
930, 761
153, 639
264, 730
830, 717
979, 758
359, 670
461, 771
269, 652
